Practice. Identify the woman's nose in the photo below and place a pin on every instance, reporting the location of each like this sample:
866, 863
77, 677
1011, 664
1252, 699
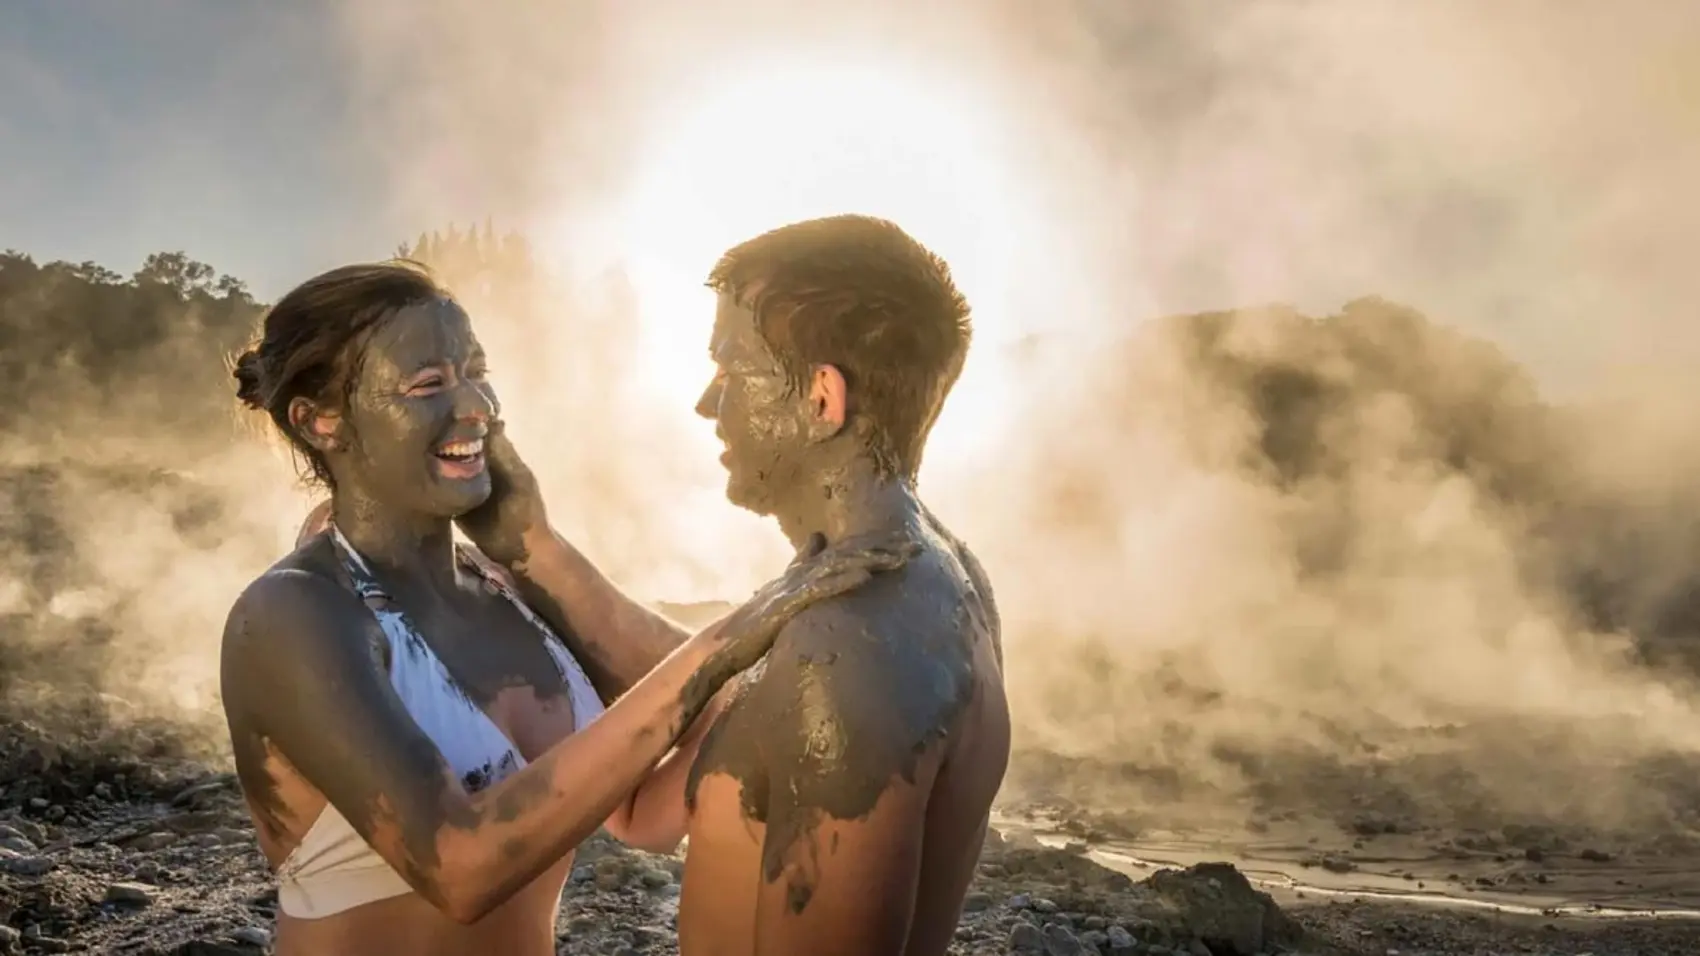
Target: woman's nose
474, 403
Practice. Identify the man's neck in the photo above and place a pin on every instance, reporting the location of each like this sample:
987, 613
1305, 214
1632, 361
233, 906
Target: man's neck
406, 546
847, 500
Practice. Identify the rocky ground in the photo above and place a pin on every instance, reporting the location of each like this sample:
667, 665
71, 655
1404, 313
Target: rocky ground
102, 850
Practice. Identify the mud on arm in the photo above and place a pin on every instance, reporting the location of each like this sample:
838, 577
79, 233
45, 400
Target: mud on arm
617, 639
303, 661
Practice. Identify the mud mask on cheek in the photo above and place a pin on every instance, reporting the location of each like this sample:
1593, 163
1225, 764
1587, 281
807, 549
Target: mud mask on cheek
771, 406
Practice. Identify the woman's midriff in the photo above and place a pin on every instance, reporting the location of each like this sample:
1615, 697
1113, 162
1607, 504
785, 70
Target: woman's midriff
409, 926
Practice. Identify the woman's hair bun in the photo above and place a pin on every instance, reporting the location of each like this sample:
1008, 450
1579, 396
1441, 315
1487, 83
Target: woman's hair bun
247, 375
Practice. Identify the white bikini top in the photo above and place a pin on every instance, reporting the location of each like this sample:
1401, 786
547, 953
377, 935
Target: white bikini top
333, 869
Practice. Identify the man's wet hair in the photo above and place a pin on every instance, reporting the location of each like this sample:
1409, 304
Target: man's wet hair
311, 341
860, 294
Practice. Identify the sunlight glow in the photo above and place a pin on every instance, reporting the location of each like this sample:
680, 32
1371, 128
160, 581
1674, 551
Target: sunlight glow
794, 137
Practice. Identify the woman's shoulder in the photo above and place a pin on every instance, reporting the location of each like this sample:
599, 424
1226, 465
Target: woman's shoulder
293, 599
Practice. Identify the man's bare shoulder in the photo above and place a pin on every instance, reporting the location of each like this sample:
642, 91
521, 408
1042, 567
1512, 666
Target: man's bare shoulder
864, 682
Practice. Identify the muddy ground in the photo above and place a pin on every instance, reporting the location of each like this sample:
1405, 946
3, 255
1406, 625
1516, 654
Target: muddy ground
120, 839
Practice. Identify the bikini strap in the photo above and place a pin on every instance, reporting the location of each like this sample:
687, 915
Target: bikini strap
365, 582
565, 660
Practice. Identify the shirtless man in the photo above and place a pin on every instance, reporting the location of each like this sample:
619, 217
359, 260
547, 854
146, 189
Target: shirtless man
838, 804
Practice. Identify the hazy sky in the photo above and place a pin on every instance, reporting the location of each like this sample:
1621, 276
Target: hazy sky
219, 127
1521, 168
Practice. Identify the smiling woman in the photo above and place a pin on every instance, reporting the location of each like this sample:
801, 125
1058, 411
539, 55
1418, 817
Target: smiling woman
785, 138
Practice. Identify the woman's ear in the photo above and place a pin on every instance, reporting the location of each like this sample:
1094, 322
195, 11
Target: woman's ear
319, 428
827, 402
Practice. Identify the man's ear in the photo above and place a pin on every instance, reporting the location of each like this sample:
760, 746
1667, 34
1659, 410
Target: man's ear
828, 400
320, 428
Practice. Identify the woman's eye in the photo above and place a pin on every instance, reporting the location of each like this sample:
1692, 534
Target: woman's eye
435, 381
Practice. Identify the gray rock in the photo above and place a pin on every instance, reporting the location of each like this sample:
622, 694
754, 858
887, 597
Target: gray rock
134, 894
21, 864
1220, 907
1024, 937
976, 902
17, 844
253, 936
1119, 942
149, 842
1059, 941
1043, 905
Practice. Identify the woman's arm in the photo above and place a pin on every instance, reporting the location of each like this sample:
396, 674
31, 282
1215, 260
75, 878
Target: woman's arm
617, 639
303, 661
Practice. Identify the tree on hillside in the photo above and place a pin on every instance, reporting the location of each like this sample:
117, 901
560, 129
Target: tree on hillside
82, 345
476, 262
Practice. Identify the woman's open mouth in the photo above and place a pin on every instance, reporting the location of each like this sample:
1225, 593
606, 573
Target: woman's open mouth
461, 459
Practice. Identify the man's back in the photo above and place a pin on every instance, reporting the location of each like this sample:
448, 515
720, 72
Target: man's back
840, 803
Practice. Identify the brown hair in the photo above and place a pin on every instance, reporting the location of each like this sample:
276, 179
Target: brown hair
309, 342
860, 294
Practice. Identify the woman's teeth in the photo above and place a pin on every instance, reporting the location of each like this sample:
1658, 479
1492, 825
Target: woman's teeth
462, 449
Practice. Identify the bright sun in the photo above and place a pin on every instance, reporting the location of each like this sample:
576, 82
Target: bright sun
792, 137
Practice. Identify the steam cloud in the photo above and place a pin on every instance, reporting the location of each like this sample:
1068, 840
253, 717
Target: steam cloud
1361, 544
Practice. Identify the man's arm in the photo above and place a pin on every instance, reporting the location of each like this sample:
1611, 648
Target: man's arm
316, 521
655, 817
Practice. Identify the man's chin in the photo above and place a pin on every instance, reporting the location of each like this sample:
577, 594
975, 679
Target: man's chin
748, 498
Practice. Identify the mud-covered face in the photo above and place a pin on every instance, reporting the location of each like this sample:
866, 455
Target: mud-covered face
419, 412
760, 416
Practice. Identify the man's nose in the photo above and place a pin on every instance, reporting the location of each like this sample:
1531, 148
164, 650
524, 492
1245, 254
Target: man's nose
708, 406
